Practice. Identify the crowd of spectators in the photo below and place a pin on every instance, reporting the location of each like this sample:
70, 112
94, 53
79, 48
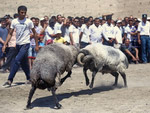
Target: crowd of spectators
130, 34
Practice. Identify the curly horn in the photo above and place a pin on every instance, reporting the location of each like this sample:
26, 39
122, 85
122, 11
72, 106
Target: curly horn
87, 58
79, 58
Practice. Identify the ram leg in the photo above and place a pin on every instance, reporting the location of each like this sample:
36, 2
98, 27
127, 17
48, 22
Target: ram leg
115, 74
92, 81
86, 77
63, 79
55, 98
124, 78
28, 106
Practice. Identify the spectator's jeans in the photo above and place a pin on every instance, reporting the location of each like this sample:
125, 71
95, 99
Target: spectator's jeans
10, 55
2, 55
109, 44
20, 59
83, 44
145, 46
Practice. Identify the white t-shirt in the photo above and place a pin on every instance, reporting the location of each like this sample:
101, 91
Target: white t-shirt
49, 31
118, 34
66, 35
86, 33
75, 33
22, 30
128, 31
95, 33
143, 28
57, 27
108, 31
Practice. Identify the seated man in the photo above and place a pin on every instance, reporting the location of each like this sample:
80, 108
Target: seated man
130, 51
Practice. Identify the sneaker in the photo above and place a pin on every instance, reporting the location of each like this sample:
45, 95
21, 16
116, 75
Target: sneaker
144, 62
1, 70
137, 62
4, 70
8, 83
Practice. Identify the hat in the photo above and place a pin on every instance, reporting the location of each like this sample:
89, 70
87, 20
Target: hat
119, 21
138, 20
41, 19
148, 18
58, 31
108, 17
144, 16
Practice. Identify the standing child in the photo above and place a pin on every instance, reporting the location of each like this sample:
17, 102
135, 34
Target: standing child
59, 38
41, 43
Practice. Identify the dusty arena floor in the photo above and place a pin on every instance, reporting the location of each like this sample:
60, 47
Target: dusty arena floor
76, 97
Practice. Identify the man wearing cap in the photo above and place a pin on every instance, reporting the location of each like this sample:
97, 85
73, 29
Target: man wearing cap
109, 32
46, 32
118, 34
148, 19
144, 38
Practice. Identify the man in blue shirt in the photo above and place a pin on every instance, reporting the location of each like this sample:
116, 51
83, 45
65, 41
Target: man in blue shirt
3, 36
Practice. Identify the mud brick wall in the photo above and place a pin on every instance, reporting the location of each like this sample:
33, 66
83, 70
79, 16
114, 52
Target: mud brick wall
96, 8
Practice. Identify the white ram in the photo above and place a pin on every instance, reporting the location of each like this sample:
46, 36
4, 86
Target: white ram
105, 59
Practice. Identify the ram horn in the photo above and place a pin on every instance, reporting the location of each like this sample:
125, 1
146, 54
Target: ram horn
87, 58
79, 58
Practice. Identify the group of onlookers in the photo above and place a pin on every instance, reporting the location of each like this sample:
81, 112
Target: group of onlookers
125, 34
21, 37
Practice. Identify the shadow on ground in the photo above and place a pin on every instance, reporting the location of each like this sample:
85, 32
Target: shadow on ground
49, 100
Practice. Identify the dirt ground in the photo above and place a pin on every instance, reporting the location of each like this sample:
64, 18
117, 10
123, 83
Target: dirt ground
76, 97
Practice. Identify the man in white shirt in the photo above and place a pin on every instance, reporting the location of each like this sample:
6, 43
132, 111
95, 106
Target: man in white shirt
74, 33
58, 24
85, 33
96, 32
22, 25
144, 38
46, 31
129, 31
109, 32
118, 34
49, 34
65, 30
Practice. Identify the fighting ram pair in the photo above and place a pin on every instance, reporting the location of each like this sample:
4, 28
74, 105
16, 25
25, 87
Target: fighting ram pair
55, 59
